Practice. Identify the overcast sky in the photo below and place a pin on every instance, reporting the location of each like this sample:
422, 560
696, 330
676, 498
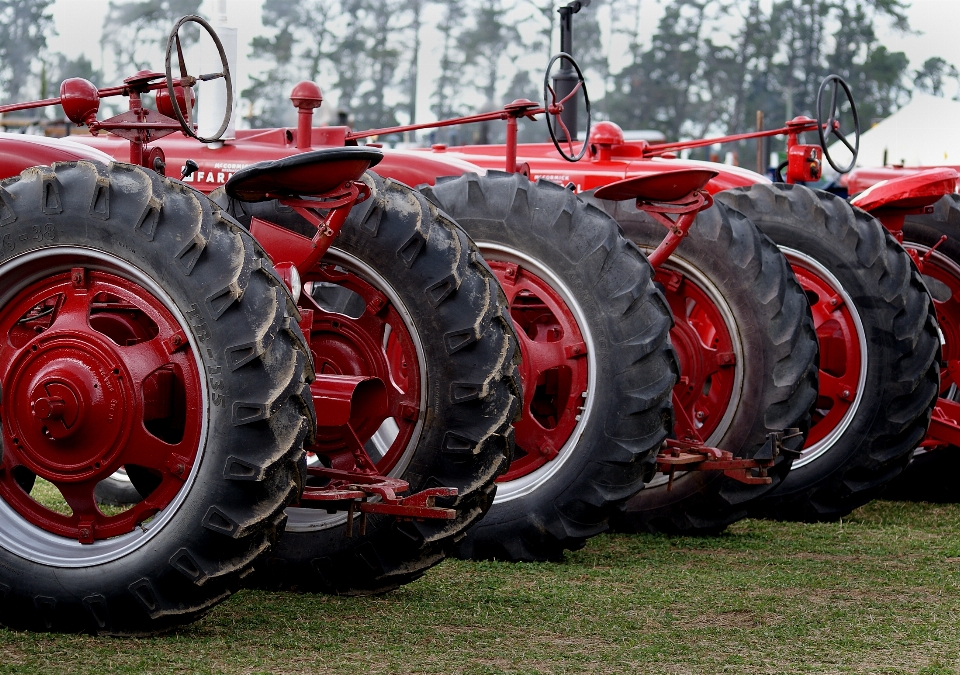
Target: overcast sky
80, 23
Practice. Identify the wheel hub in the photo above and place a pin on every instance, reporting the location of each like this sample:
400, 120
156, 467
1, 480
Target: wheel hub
67, 406
96, 375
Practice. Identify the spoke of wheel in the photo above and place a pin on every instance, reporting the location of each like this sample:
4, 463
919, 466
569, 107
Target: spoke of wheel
553, 94
529, 387
833, 387
74, 312
833, 101
183, 65
843, 139
144, 358
210, 77
186, 89
572, 92
567, 134
146, 450
80, 498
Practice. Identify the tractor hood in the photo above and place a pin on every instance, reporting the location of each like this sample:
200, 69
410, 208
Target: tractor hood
541, 160
218, 162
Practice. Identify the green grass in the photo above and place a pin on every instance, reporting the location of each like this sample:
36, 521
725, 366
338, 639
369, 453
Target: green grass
877, 593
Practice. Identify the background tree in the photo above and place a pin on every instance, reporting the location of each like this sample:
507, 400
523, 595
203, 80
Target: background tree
932, 76
303, 40
134, 31
24, 27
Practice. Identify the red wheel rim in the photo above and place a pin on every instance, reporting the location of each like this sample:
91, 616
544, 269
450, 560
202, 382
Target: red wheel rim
708, 358
97, 374
376, 343
945, 271
841, 353
554, 372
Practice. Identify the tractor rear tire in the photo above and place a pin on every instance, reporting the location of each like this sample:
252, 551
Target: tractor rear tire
544, 236
117, 490
871, 284
398, 242
166, 246
931, 475
771, 365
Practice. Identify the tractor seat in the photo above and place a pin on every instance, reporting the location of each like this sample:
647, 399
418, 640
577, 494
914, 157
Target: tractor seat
665, 187
308, 174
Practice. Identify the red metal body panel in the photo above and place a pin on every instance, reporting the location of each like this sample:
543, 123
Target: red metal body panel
20, 152
859, 180
414, 167
908, 191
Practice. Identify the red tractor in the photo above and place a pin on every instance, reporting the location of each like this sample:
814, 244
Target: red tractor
598, 371
878, 386
879, 340
146, 329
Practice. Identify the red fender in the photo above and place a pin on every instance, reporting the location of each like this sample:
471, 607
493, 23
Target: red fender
19, 152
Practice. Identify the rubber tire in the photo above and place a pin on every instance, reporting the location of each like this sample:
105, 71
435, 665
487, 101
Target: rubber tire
393, 553
116, 492
248, 470
901, 334
931, 476
780, 365
631, 412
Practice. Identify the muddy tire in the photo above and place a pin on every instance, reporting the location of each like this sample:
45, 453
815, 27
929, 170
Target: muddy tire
748, 361
941, 273
931, 475
450, 304
879, 370
596, 403
122, 268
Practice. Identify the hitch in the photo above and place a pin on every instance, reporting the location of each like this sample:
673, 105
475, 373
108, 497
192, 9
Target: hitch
344, 403
695, 456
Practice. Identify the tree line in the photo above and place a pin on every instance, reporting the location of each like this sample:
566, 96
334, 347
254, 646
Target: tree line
706, 67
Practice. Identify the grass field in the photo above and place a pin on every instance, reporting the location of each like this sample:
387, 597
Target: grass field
877, 593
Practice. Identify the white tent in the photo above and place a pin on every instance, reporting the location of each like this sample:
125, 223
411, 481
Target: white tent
925, 132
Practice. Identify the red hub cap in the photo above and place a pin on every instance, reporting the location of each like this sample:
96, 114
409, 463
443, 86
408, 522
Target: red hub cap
707, 358
840, 353
554, 370
365, 337
96, 374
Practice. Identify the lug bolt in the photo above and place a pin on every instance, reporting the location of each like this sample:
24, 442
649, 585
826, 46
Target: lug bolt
176, 340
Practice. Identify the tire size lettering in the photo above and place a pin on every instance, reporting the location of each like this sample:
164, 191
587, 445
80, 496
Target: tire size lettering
196, 319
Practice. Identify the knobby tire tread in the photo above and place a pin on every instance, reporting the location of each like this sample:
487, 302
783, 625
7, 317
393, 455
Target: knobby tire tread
190, 565
393, 553
631, 412
901, 334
